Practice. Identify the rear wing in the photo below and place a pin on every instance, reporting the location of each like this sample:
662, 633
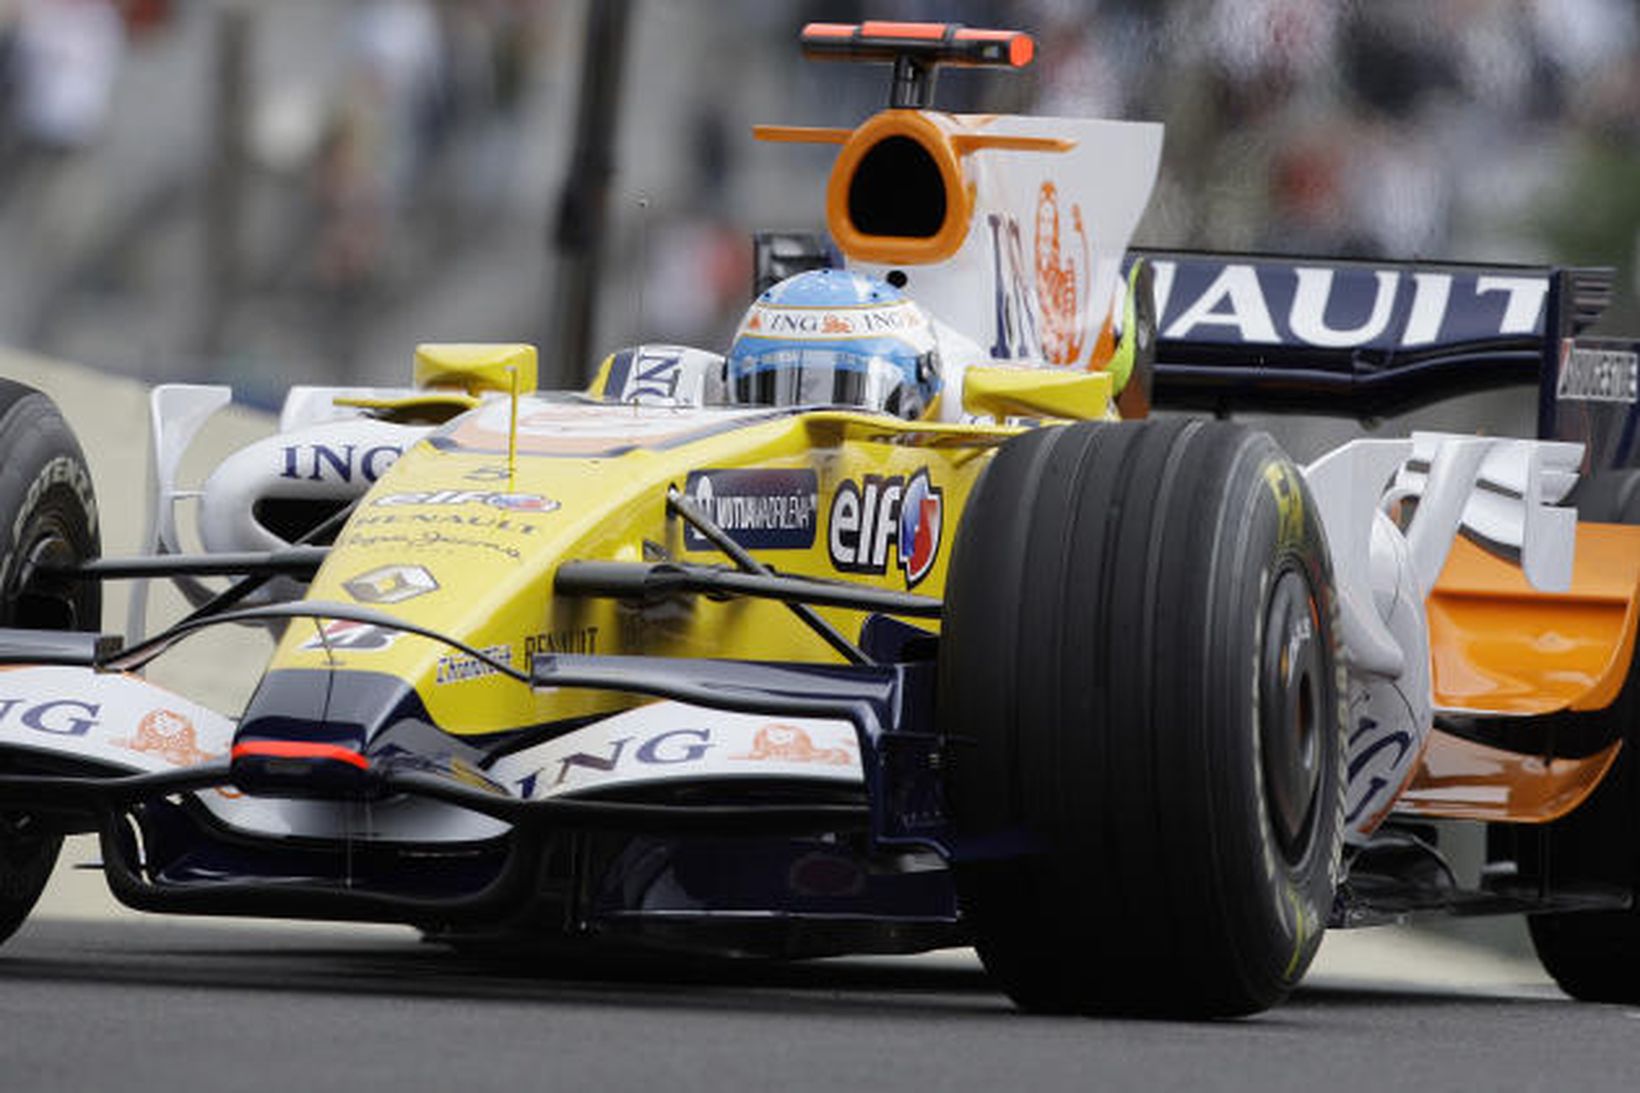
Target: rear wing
1359, 338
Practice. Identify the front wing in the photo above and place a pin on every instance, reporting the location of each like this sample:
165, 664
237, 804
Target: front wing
776, 794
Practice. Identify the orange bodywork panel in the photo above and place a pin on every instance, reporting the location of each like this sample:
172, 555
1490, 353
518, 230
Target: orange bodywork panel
1499, 646
1459, 779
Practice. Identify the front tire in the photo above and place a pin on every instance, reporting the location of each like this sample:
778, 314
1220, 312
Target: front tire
48, 514
1139, 678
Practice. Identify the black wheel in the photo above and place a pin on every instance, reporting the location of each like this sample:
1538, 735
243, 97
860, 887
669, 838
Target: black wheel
1139, 675
47, 514
1595, 955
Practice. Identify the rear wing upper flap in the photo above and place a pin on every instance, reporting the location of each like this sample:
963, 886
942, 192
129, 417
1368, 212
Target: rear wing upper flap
1357, 337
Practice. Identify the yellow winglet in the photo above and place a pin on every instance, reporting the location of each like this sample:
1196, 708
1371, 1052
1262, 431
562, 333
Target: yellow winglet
1004, 392
476, 366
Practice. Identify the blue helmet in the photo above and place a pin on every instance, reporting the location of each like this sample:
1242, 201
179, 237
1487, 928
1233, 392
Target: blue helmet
832, 337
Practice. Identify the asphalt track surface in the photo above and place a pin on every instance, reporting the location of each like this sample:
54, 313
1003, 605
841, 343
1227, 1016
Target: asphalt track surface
127, 1004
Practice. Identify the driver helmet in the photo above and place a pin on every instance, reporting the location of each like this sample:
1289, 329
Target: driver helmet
833, 337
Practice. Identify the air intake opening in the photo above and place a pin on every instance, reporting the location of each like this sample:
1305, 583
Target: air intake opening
290, 518
897, 190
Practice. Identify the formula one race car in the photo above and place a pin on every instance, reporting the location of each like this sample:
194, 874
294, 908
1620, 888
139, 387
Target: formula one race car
885, 631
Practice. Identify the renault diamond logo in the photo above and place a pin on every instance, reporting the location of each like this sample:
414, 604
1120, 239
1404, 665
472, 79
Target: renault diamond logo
391, 584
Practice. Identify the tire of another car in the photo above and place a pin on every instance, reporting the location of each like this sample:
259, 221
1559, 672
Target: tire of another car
1595, 955
1139, 680
48, 513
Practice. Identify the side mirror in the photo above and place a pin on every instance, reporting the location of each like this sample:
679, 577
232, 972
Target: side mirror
1004, 391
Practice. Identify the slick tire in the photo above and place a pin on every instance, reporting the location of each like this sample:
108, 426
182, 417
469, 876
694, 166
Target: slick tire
47, 513
1139, 680
1595, 955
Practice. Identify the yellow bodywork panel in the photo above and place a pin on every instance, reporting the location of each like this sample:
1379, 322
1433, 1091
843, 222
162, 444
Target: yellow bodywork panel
1498, 645
450, 540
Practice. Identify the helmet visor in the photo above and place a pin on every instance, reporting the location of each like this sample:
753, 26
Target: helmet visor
821, 376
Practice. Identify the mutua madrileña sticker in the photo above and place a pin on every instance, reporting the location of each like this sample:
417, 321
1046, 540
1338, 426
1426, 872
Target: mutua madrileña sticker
763, 508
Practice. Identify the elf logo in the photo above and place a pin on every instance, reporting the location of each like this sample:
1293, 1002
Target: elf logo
878, 513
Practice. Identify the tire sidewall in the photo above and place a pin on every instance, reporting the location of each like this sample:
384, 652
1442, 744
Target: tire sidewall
45, 491
45, 494
1101, 651
1278, 902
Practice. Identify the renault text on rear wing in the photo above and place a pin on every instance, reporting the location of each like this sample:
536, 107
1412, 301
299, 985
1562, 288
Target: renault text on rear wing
1356, 337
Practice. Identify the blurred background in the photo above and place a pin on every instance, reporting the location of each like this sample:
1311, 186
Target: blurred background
267, 193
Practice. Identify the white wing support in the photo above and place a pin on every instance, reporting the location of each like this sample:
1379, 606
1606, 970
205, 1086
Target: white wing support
176, 413
1348, 486
1505, 492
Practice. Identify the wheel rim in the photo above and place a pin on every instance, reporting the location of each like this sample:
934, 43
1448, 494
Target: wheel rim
1290, 690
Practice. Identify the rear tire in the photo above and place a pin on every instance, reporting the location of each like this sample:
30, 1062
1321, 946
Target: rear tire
1595, 955
48, 513
1139, 677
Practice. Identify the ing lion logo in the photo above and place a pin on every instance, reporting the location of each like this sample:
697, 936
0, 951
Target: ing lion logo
169, 735
1059, 274
835, 324
790, 744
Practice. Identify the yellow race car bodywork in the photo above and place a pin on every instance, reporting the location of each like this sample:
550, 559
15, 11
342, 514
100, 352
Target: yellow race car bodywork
591, 482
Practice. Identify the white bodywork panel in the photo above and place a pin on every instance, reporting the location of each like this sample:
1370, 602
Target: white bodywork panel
668, 375
668, 741
334, 461
121, 720
1040, 269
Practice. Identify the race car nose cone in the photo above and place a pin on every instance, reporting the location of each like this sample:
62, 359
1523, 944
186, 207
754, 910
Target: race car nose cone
300, 768
310, 734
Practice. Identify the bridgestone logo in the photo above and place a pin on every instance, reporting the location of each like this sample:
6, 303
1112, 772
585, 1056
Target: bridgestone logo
1598, 375
59, 471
